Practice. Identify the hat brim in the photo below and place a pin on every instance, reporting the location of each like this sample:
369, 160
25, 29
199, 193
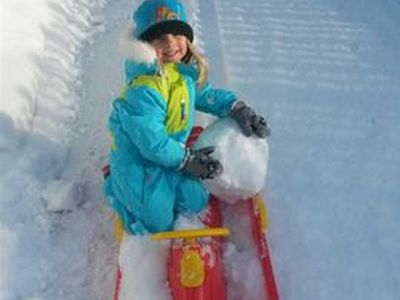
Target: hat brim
167, 27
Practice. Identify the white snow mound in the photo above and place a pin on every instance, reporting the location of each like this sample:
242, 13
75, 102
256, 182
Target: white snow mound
244, 160
143, 265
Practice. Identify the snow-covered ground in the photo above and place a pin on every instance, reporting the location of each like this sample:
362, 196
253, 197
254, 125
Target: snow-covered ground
324, 72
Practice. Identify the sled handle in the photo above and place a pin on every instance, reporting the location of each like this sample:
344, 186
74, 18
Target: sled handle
190, 233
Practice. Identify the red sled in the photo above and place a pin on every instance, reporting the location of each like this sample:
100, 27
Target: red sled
195, 267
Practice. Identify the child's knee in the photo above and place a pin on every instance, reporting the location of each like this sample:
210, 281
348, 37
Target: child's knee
195, 202
201, 203
159, 222
160, 227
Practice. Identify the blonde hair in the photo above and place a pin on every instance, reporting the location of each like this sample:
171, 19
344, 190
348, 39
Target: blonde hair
193, 56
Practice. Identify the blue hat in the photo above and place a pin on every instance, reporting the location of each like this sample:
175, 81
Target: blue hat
154, 18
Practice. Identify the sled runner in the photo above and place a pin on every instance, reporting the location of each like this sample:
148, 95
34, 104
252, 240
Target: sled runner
259, 224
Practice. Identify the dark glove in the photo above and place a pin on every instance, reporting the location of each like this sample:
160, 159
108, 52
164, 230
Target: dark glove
249, 121
200, 164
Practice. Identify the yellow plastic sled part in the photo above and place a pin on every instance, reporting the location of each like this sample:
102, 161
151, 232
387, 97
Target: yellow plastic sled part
263, 211
190, 233
192, 271
119, 229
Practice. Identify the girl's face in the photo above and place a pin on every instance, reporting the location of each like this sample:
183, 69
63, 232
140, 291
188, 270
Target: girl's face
170, 48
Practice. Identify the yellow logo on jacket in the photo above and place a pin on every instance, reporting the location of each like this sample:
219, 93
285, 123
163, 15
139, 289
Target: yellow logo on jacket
164, 13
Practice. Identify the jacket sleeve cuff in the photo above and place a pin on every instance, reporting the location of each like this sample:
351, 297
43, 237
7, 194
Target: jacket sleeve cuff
184, 160
235, 105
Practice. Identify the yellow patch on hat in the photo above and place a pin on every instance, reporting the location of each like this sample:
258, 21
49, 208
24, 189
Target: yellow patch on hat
164, 13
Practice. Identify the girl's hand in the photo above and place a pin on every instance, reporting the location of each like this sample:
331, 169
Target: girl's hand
249, 121
199, 164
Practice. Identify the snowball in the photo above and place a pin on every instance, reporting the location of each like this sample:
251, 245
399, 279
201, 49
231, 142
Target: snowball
244, 160
61, 195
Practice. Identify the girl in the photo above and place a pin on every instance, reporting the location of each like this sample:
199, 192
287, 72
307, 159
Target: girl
153, 176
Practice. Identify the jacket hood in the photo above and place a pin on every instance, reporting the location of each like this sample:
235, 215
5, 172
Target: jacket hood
140, 56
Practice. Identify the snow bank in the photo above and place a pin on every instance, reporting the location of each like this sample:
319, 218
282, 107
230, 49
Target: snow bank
244, 160
39, 68
8, 133
40, 89
22, 26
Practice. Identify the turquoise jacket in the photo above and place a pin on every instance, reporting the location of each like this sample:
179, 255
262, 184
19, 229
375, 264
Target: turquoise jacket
149, 125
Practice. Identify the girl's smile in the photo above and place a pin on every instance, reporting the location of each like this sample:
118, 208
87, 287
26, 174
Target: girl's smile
170, 48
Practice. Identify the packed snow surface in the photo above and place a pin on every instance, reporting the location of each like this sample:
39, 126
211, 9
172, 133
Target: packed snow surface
244, 160
326, 75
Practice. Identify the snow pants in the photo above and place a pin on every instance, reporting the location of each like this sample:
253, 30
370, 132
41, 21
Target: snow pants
165, 195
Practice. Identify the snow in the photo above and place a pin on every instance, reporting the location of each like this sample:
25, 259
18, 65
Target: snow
243, 271
143, 268
43, 217
244, 160
62, 195
325, 74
